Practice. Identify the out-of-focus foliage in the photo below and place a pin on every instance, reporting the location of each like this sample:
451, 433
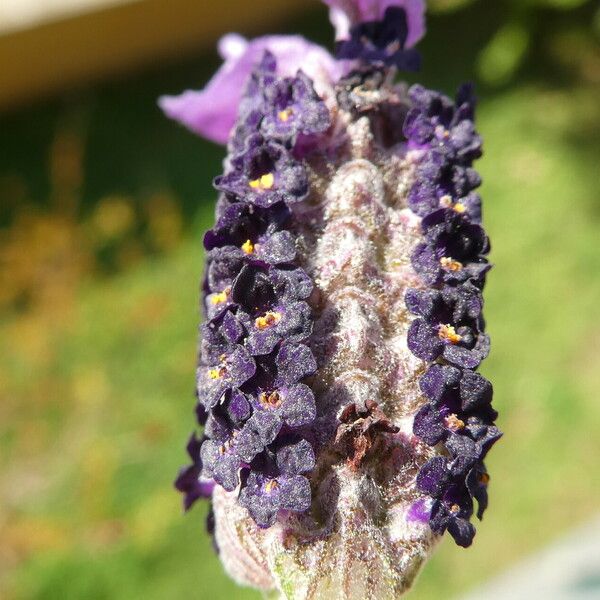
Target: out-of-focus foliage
102, 207
516, 29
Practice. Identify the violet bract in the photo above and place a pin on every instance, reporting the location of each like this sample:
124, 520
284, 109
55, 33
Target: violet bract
345, 423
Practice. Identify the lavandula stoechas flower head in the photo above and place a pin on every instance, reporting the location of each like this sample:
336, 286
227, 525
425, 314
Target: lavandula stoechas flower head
345, 421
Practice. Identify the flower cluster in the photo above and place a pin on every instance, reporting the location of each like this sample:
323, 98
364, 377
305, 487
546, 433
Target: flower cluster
448, 330
253, 355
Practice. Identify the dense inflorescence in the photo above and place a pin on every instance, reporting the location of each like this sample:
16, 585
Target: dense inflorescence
345, 423
449, 331
253, 357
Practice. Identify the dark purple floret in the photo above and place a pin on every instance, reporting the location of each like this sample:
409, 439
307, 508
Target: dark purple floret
456, 304
257, 233
433, 477
231, 371
429, 425
462, 346
265, 496
264, 175
452, 512
445, 384
293, 404
293, 107
436, 122
237, 407
461, 239
219, 335
252, 105
258, 288
260, 431
285, 321
190, 481
294, 363
223, 266
381, 42
435, 265
279, 485
222, 463
477, 482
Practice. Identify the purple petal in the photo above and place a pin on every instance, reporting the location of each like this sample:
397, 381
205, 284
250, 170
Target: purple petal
296, 458
212, 112
433, 477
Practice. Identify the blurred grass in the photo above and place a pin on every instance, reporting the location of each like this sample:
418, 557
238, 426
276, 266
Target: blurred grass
97, 340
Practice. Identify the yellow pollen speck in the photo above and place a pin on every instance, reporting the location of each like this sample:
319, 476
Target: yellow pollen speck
264, 182
459, 207
218, 372
284, 115
450, 264
267, 320
248, 247
454, 423
455, 508
271, 485
220, 297
448, 334
272, 400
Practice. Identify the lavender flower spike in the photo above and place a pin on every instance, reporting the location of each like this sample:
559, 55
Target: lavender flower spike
346, 426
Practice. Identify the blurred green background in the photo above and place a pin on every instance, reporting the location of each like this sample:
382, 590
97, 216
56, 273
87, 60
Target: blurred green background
102, 207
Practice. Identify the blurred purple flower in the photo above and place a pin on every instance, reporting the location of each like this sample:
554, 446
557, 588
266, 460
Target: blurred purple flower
346, 13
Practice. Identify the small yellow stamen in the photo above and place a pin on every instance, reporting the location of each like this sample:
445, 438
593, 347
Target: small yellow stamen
220, 297
267, 320
264, 182
214, 373
247, 247
271, 400
446, 202
454, 423
271, 485
455, 508
284, 115
217, 372
450, 264
447, 333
